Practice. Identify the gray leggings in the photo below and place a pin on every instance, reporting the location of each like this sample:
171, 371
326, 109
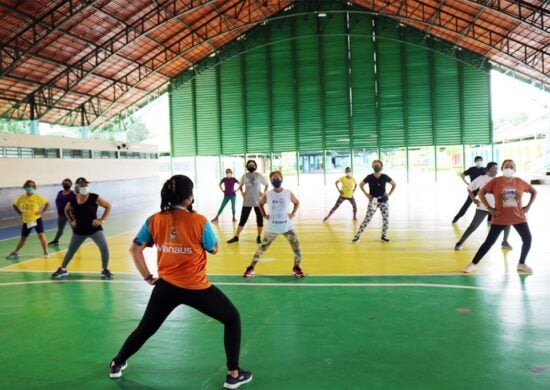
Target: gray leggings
61, 222
77, 240
478, 218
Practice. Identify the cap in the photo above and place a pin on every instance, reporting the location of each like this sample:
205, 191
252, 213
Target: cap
81, 180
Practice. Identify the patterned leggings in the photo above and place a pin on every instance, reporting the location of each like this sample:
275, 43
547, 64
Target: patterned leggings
339, 201
373, 206
270, 237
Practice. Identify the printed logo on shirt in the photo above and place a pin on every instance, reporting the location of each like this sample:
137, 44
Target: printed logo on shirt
175, 250
509, 197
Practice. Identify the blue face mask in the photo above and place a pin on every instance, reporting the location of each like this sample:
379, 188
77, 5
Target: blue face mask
276, 183
29, 190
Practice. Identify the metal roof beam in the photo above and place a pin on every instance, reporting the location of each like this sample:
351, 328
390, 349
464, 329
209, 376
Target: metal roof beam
179, 46
39, 30
73, 74
527, 14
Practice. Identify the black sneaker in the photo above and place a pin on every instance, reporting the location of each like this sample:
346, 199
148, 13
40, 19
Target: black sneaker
258, 240
384, 239
234, 239
234, 383
115, 370
106, 274
53, 243
60, 273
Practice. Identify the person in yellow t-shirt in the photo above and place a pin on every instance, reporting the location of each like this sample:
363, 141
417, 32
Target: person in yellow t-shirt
347, 187
31, 207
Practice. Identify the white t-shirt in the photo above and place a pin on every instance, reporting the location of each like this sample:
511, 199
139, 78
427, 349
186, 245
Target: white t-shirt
477, 184
279, 204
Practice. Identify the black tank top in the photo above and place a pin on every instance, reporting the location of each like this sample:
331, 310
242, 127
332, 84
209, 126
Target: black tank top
84, 214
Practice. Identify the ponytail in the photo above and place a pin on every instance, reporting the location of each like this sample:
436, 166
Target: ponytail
174, 191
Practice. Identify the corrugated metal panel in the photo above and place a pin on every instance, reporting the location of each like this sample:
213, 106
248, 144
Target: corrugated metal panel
311, 137
477, 129
362, 82
388, 54
447, 101
336, 91
282, 93
233, 139
418, 97
258, 137
182, 121
208, 138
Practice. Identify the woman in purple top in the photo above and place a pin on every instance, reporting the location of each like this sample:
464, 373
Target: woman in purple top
63, 197
227, 186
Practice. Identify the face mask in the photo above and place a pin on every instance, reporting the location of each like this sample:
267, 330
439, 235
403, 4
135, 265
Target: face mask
276, 183
29, 190
66, 187
478, 164
228, 175
508, 172
83, 190
251, 168
377, 169
348, 174
493, 173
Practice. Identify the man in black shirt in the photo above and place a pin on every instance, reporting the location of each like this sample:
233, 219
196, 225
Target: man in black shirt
472, 172
378, 197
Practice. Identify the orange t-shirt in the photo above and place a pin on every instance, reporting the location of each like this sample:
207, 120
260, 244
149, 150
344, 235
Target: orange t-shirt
508, 203
181, 238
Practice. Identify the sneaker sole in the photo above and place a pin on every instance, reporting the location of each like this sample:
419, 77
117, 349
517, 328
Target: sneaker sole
248, 276
237, 385
60, 276
118, 374
299, 276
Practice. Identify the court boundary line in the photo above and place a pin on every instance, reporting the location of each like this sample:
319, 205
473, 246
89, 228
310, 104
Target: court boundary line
423, 285
7, 268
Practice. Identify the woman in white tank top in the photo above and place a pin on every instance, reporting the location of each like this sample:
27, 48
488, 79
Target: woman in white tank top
279, 222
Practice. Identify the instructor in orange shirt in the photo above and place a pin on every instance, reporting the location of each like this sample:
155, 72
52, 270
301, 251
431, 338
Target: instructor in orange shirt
182, 238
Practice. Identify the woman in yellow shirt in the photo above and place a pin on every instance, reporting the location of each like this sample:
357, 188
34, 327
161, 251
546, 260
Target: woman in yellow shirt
348, 187
30, 206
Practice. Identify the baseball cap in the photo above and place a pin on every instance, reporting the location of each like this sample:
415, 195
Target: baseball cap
81, 180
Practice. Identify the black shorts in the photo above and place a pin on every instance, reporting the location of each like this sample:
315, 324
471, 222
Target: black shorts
39, 227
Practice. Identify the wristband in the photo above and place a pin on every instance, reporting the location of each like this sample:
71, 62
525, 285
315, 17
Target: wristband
149, 278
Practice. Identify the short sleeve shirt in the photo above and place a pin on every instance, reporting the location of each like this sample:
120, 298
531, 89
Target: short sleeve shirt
348, 184
252, 182
29, 205
182, 239
474, 172
377, 185
476, 185
508, 200
229, 186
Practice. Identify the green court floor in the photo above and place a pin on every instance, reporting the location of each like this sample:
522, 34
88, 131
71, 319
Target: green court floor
323, 332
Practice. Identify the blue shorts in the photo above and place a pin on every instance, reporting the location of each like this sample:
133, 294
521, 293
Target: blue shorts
25, 231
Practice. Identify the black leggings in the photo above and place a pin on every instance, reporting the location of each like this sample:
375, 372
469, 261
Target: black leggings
245, 213
494, 232
166, 297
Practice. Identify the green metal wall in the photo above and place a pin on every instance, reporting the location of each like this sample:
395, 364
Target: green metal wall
305, 84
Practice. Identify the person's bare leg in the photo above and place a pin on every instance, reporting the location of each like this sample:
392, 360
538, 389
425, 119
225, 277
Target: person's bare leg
239, 230
43, 242
20, 244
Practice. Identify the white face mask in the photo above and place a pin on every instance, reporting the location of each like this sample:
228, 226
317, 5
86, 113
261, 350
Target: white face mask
348, 174
478, 164
83, 190
508, 172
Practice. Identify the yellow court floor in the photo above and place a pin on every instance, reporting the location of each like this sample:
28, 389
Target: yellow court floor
422, 239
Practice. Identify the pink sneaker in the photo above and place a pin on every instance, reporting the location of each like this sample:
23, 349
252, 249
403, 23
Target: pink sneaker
297, 271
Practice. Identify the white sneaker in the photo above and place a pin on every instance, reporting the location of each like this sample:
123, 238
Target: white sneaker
525, 268
470, 268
